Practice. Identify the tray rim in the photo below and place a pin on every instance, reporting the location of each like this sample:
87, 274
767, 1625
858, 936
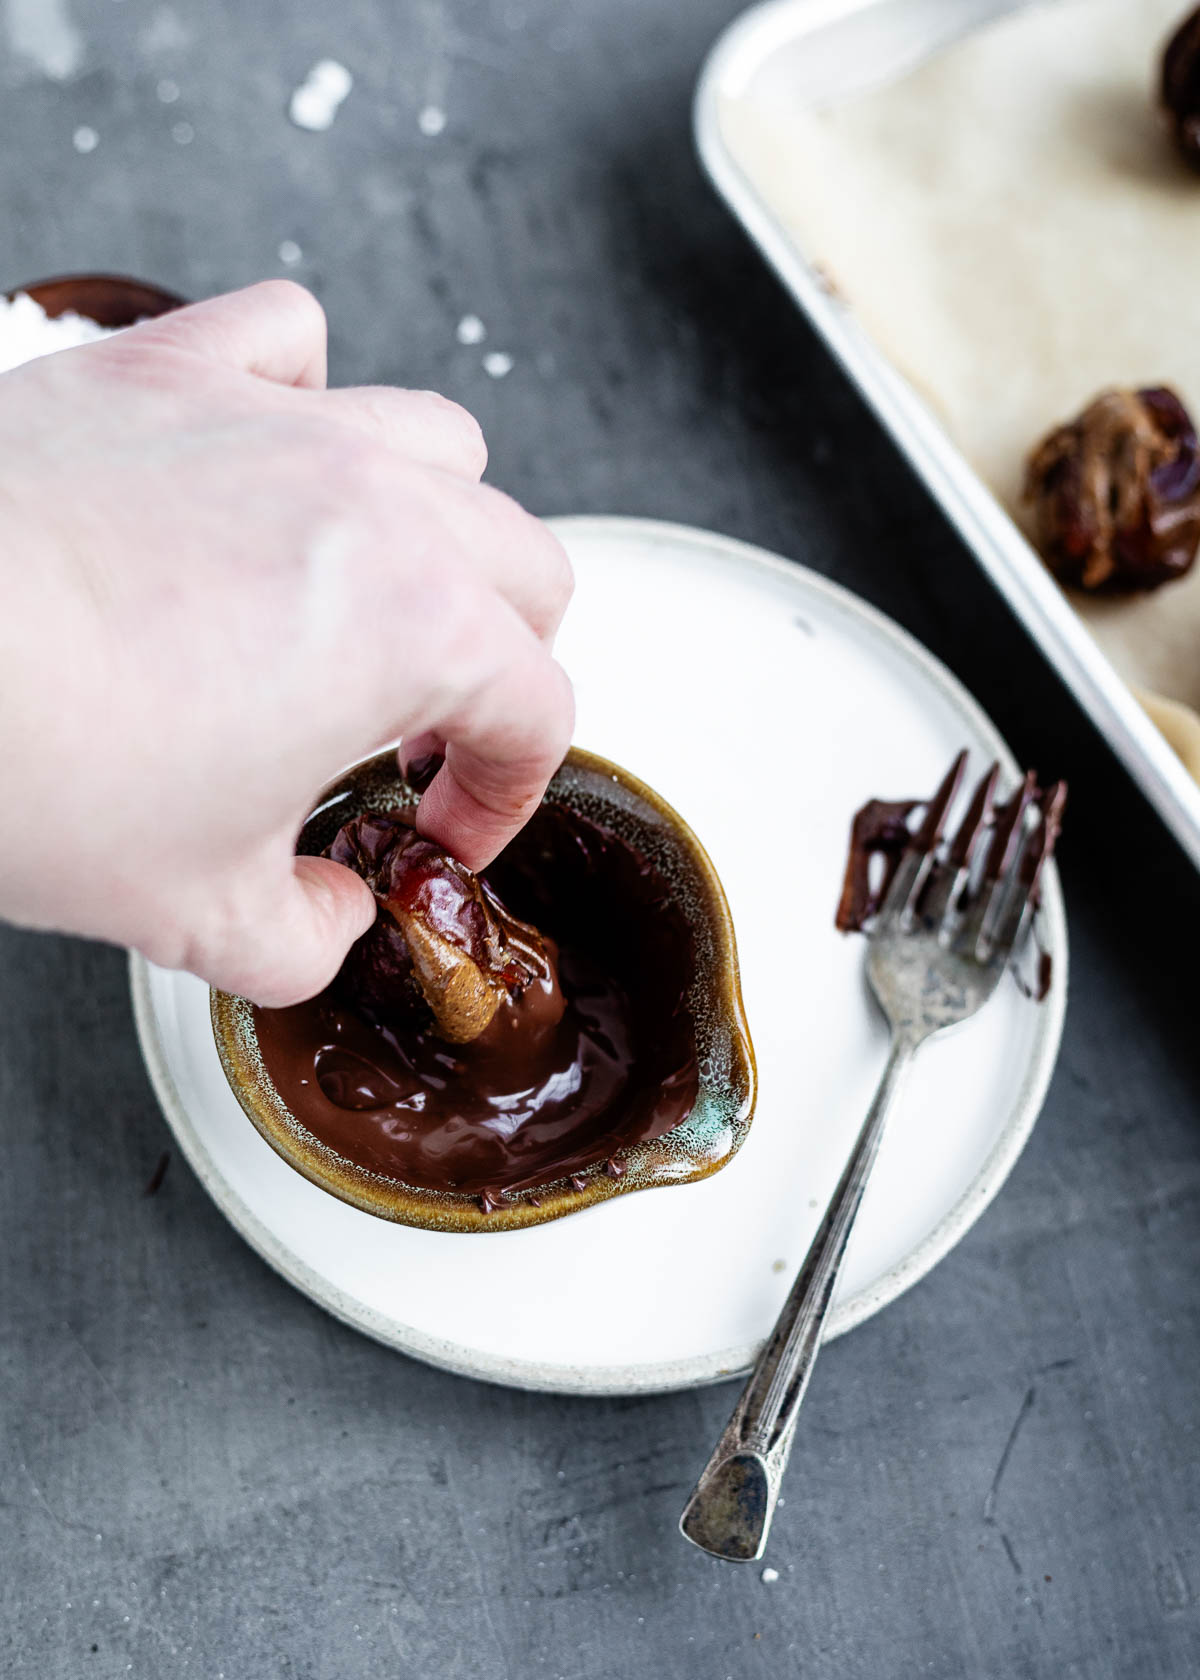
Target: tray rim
985, 527
701, 1370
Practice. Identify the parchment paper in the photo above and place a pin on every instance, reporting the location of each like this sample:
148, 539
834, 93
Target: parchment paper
1010, 224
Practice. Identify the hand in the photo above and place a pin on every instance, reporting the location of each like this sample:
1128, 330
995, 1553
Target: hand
219, 584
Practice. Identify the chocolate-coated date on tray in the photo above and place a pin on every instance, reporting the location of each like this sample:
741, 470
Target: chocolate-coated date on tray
442, 938
1179, 89
1116, 492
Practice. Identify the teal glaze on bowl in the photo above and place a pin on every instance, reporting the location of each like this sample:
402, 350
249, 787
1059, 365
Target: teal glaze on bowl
703, 1143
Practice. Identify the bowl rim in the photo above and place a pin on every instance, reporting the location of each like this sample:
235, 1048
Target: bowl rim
155, 300
461, 1213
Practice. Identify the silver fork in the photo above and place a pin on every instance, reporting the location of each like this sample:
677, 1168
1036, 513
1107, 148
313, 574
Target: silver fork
942, 938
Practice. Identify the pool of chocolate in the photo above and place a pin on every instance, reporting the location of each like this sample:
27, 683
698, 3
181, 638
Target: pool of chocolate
538, 1097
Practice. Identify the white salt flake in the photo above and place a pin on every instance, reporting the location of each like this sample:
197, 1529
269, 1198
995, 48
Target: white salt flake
289, 252
470, 330
167, 91
42, 32
431, 120
183, 134
315, 102
770, 1576
85, 139
497, 363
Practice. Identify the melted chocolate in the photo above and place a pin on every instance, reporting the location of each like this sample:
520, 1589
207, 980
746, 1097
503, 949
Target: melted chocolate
878, 836
575, 1064
1179, 88
1039, 988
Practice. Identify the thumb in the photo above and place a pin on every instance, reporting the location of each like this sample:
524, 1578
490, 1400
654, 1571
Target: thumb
295, 952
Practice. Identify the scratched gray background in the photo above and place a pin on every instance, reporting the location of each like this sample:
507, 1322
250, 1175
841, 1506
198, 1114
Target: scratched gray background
202, 1474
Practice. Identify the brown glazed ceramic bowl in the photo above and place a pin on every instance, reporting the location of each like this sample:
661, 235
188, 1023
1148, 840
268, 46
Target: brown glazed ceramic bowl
111, 300
698, 1146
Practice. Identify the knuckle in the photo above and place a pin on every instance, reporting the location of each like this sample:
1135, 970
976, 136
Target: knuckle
566, 699
506, 515
561, 573
535, 543
297, 300
469, 443
560, 714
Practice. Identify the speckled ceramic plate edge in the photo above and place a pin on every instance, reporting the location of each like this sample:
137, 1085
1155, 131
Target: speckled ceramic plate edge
705, 1368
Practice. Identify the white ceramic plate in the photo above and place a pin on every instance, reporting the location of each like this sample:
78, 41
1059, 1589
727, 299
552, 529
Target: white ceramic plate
766, 704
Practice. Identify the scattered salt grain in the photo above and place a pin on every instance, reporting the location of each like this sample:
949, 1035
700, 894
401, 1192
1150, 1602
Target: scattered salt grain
26, 331
167, 91
183, 134
497, 363
289, 252
770, 1576
470, 330
431, 120
315, 102
85, 139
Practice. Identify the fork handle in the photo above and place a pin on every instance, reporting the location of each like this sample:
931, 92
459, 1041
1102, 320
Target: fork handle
730, 1511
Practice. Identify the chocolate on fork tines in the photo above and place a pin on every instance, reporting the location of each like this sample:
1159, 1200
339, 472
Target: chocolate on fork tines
965, 872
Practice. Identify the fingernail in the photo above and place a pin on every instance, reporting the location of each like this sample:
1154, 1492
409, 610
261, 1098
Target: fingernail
422, 770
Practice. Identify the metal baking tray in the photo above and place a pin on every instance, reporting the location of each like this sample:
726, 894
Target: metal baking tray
821, 51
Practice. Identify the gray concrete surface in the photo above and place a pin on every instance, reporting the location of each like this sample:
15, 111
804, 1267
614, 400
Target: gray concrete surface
202, 1474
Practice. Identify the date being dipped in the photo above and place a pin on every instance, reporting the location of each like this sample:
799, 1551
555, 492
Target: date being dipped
492, 1033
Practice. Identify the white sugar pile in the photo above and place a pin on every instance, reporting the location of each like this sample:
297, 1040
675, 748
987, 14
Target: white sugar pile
26, 331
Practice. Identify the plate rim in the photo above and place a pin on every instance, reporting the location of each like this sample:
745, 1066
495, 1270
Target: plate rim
699, 1370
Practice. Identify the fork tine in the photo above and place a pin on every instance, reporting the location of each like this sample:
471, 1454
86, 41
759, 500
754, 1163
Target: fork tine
1022, 896
930, 831
1009, 904
946, 880
1006, 844
1054, 803
962, 847
904, 886
1007, 834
